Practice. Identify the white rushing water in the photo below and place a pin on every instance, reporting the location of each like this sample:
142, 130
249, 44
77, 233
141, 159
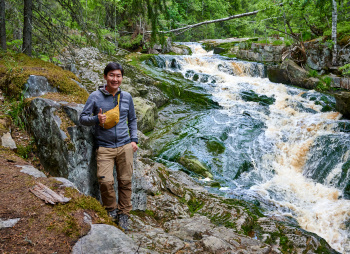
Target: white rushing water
290, 132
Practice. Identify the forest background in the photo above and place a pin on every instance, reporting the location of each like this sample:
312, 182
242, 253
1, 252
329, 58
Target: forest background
44, 28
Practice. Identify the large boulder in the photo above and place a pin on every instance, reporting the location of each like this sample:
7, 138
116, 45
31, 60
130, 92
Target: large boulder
106, 239
146, 112
343, 103
67, 149
37, 86
291, 73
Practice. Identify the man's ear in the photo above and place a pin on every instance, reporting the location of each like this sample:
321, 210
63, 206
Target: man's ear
105, 77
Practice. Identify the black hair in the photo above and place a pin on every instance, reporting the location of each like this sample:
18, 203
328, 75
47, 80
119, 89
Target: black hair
112, 66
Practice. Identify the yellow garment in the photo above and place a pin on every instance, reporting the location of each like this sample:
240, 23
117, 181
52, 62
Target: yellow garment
112, 117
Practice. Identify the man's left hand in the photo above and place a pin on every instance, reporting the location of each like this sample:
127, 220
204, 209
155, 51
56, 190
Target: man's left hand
134, 146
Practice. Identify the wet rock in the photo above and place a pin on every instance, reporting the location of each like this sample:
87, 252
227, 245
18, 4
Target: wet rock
106, 239
195, 166
8, 223
343, 103
261, 99
146, 112
7, 141
37, 86
30, 170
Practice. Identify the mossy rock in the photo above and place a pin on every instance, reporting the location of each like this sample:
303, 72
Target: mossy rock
193, 164
215, 146
246, 166
15, 70
261, 99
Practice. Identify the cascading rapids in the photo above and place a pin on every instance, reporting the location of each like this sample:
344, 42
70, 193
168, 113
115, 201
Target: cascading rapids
282, 145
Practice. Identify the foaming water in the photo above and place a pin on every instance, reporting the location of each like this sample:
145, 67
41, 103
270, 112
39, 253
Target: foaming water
276, 137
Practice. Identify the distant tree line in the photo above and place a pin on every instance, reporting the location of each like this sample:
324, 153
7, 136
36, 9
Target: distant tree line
45, 27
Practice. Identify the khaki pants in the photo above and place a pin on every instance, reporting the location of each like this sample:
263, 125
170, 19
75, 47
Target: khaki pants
122, 157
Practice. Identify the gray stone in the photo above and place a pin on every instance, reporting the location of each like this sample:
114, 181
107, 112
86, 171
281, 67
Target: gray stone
30, 170
8, 223
216, 245
65, 182
7, 141
37, 86
72, 157
146, 112
106, 239
189, 229
343, 103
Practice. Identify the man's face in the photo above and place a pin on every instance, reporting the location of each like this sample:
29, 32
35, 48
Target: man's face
114, 79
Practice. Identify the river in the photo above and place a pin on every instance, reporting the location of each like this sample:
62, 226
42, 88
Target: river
282, 147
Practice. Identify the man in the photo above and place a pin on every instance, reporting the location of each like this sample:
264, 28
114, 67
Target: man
116, 144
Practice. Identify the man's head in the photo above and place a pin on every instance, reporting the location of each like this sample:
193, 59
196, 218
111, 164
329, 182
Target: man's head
113, 66
113, 74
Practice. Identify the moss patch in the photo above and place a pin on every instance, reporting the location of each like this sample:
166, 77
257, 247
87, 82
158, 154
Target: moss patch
15, 70
194, 165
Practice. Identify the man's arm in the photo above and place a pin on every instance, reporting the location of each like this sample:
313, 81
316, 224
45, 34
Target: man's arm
132, 122
86, 117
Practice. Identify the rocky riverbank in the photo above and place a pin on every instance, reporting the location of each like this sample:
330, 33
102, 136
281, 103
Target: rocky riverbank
172, 212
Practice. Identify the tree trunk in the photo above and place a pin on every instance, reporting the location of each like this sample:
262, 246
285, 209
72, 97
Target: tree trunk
2, 26
210, 21
27, 28
334, 31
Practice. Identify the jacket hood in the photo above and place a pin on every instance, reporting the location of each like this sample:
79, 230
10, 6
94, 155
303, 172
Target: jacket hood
104, 90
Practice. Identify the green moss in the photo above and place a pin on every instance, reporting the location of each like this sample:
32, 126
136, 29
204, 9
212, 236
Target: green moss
143, 214
215, 146
262, 99
16, 68
79, 201
194, 205
215, 185
192, 164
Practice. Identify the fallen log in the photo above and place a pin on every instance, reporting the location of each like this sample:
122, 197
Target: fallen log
49, 196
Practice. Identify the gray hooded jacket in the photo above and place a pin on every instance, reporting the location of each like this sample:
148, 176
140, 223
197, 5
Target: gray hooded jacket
118, 135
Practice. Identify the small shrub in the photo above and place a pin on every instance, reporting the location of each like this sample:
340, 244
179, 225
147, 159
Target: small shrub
263, 42
313, 73
288, 43
345, 69
277, 42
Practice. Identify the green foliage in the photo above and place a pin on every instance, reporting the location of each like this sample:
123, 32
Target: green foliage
313, 73
306, 36
288, 43
345, 69
14, 46
25, 151
277, 42
325, 84
127, 42
17, 112
263, 42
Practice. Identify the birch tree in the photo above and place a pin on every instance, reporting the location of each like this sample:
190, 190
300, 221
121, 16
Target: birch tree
334, 31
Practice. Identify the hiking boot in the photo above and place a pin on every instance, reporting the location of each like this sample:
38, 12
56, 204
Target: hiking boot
123, 221
113, 214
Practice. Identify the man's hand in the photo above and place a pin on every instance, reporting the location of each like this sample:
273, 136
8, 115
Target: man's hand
101, 117
134, 146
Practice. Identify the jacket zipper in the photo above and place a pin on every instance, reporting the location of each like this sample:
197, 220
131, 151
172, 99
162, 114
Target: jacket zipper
115, 129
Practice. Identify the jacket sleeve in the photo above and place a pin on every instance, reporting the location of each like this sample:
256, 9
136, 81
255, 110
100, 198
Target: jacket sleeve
132, 122
86, 117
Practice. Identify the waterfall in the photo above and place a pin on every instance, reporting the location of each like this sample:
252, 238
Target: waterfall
285, 146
